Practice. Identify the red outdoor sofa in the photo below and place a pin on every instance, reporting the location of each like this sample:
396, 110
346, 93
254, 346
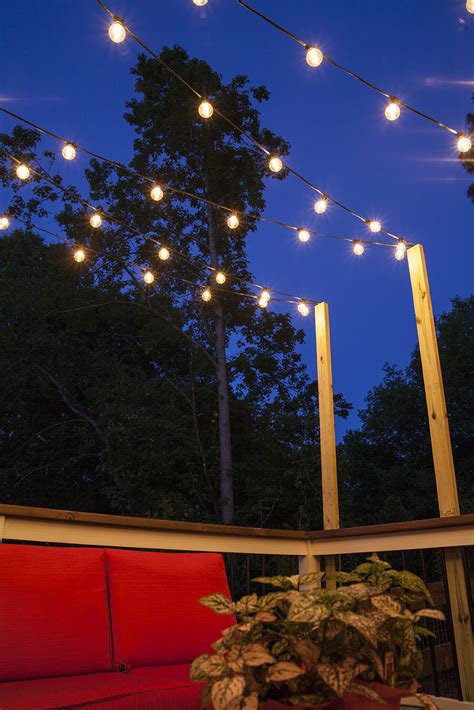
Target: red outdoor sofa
104, 628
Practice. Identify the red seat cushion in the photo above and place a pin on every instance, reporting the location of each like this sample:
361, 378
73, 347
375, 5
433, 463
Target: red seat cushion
166, 688
54, 617
156, 617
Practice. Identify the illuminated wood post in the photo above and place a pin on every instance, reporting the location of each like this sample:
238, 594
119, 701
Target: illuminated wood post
327, 428
446, 487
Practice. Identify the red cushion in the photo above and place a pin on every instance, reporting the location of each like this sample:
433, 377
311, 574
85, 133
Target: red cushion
167, 688
156, 617
54, 617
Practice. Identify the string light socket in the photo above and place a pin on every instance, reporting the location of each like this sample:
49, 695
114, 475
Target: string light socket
358, 248
4, 223
117, 32
220, 278
303, 235
23, 172
303, 308
275, 165
69, 152
464, 143
95, 220
156, 193
164, 254
392, 110
233, 221
205, 109
320, 206
314, 56
148, 277
206, 295
374, 226
79, 255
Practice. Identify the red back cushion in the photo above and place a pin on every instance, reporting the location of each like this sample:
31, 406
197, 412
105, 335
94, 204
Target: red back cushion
156, 617
54, 618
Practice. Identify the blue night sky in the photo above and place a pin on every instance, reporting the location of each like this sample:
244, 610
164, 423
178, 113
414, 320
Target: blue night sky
60, 70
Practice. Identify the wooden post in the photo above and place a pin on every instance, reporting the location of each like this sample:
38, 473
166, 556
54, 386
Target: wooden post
327, 427
445, 475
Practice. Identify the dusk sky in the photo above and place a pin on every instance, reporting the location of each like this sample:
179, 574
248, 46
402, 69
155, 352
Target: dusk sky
60, 70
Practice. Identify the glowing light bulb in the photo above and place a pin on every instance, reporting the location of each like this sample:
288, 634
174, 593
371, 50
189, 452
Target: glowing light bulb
220, 278
205, 109
400, 250
4, 223
320, 206
96, 220
264, 299
200, 3
206, 295
303, 235
358, 248
314, 56
68, 152
156, 193
148, 277
117, 32
470, 6
303, 308
464, 144
164, 254
23, 172
275, 165
375, 226
79, 255
233, 221
392, 111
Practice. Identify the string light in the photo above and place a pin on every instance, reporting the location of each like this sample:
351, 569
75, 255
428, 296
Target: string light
220, 278
392, 114
164, 254
303, 308
156, 193
358, 248
200, 3
264, 298
23, 172
206, 295
148, 277
400, 250
303, 235
374, 226
68, 152
314, 56
320, 206
79, 255
233, 221
205, 109
4, 223
117, 32
275, 165
464, 143
392, 111
95, 220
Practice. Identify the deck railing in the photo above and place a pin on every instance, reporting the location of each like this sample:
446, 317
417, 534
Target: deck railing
418, 545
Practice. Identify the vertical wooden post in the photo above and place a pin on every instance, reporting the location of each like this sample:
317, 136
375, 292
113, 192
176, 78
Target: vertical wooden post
445, 475
327, 426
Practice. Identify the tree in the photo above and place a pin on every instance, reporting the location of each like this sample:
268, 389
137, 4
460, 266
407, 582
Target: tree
387, 465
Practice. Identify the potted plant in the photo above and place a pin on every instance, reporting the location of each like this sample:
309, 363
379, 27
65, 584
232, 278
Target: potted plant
303, 645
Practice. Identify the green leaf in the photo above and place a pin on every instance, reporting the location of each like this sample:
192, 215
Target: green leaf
214, 666
312, 579
357, 591
270, 601
247, 605
366, 691
283, 671
344, 576
250, 702
340, 675
362, 624
218, 603
422, 631
410, 581
196, 672
226, 690
387, 605
305, 608
278, 581
256, 655
308, 651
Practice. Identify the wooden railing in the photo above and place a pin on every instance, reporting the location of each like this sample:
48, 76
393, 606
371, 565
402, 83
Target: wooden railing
284, 549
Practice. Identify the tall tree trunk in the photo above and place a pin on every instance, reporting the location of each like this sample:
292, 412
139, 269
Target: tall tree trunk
225, 443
